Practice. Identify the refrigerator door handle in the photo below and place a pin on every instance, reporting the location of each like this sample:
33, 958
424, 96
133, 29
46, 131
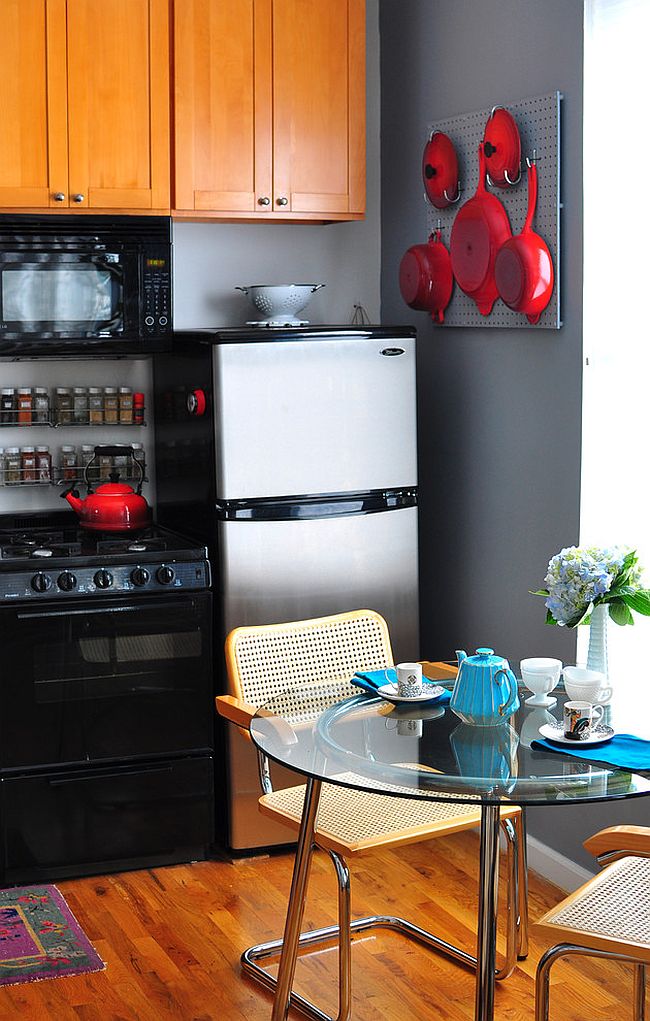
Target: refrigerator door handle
305, 508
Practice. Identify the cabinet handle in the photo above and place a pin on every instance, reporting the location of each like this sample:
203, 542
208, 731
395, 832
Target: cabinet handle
282, 201
78, 198
264, 201
58, 196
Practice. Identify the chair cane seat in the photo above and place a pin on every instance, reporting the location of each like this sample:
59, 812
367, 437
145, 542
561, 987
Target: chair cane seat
350, 821
610, 912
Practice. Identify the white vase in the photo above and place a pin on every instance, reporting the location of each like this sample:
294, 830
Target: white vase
597, 654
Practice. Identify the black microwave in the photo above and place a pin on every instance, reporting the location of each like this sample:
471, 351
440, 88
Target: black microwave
85, 285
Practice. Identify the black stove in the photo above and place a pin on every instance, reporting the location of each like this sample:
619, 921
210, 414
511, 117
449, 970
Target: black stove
66, 561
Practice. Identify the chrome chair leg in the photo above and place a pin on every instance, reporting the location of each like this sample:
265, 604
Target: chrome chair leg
522, 850
639, 992
542, 978
345, 937
513, 917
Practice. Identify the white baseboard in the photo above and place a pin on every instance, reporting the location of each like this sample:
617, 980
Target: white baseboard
555, 867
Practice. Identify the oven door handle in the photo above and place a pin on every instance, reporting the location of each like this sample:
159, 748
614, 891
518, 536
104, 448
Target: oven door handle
98, 609
98, 774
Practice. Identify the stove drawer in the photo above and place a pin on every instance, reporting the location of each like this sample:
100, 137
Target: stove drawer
74, 823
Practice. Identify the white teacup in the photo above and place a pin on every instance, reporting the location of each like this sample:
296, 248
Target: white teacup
541, 675
409, 679
587, 685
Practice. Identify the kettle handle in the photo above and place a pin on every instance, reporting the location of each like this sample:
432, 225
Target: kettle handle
115, 451
510, 685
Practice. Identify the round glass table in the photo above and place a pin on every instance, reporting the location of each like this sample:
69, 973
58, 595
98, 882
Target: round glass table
365, 743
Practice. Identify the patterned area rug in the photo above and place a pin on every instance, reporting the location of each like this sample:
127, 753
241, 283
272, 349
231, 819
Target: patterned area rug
40, 937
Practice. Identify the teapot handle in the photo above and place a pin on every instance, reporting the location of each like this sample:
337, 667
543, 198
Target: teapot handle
510, 685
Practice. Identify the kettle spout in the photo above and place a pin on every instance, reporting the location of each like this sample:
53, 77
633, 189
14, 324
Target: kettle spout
460, 656
75, 502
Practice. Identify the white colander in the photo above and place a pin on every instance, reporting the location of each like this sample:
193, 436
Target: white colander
279, 304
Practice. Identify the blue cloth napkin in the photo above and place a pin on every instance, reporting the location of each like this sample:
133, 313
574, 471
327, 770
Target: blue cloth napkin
371, 680
624, 750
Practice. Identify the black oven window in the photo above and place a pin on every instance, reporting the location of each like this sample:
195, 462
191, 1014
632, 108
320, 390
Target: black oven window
83, 293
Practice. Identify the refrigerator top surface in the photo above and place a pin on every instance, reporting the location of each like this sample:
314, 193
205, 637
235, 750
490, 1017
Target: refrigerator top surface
270, 334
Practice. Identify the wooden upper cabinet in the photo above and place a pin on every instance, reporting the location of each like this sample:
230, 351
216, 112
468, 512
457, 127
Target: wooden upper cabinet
33, 112
118, 104
84, 120
269, 109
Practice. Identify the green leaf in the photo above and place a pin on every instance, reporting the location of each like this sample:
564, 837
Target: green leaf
620, 613
639, 601
539, 592
550, 619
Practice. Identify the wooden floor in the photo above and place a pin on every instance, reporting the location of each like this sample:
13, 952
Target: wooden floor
172, 938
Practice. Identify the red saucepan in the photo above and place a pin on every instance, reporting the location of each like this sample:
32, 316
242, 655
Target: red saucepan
479, 230
524, 268
425, 277
440, 171
502, 148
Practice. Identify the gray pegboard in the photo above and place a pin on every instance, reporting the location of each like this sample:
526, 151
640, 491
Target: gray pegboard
538, 120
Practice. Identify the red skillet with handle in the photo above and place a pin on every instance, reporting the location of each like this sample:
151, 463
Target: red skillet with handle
524, 267
479, 230
425, 277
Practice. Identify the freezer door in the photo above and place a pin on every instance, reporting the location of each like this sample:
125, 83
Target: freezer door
319, 416
274, 571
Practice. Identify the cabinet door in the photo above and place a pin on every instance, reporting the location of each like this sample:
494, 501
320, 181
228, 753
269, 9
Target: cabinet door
319, 106
118, 104
33, 114
222, 61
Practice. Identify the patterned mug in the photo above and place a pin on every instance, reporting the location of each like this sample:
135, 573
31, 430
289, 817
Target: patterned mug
579, 718
409, 679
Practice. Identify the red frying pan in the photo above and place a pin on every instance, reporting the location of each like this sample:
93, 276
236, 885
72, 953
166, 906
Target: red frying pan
479, 230
524, 269
425, 277
440, 171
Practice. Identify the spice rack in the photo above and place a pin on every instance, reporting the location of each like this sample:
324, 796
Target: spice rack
112, 406
41, 470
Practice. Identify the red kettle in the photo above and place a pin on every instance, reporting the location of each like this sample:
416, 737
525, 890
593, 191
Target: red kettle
115, 506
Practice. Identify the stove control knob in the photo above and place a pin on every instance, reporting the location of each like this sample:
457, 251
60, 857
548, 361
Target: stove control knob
139, 576
41, 582
165, 575
66, 581
103, 579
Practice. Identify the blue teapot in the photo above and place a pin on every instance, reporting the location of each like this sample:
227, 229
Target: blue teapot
485, 692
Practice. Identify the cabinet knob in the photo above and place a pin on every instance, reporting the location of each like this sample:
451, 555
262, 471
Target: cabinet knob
282, 201
264, 201
78, 198
59, 196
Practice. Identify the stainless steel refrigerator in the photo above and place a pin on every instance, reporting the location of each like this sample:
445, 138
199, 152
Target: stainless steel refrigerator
311, 490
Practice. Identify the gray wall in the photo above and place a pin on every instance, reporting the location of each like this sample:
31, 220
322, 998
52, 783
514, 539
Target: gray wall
499, 410
210, 259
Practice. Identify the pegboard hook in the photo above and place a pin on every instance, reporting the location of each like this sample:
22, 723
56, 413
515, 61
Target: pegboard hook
452, 202
531, 162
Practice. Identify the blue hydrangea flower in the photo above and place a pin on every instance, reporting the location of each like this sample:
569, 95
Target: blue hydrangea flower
579, 575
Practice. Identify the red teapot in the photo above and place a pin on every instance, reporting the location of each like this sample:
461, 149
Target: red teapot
115, 506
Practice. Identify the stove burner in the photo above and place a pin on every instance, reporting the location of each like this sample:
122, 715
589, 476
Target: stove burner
141, 544
137, 547
42, 553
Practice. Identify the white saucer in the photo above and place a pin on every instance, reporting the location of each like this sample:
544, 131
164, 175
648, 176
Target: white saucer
389, 692
546, 702
600, 733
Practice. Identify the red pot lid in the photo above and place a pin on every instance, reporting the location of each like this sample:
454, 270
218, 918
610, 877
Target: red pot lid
115, 489
502, 148
440, 170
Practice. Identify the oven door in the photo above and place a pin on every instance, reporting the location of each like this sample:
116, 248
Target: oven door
107, 681
69, 293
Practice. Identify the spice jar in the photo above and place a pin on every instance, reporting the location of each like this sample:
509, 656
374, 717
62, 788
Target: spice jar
138, 409
28, 464
126, 405
63, 406
24, 406
8, 406
68, 463
12, 466
2, 466
105, 467
95, 405
41, 406
80, 405
121, 465
43, 465
111, 405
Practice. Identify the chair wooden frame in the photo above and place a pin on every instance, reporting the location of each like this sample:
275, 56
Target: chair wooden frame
620, 849
238, 710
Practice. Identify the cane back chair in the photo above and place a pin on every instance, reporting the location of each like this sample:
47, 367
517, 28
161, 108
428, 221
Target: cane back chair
609, 916
264, 661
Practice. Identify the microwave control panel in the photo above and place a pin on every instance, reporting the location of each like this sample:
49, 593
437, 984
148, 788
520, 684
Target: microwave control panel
156, 305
